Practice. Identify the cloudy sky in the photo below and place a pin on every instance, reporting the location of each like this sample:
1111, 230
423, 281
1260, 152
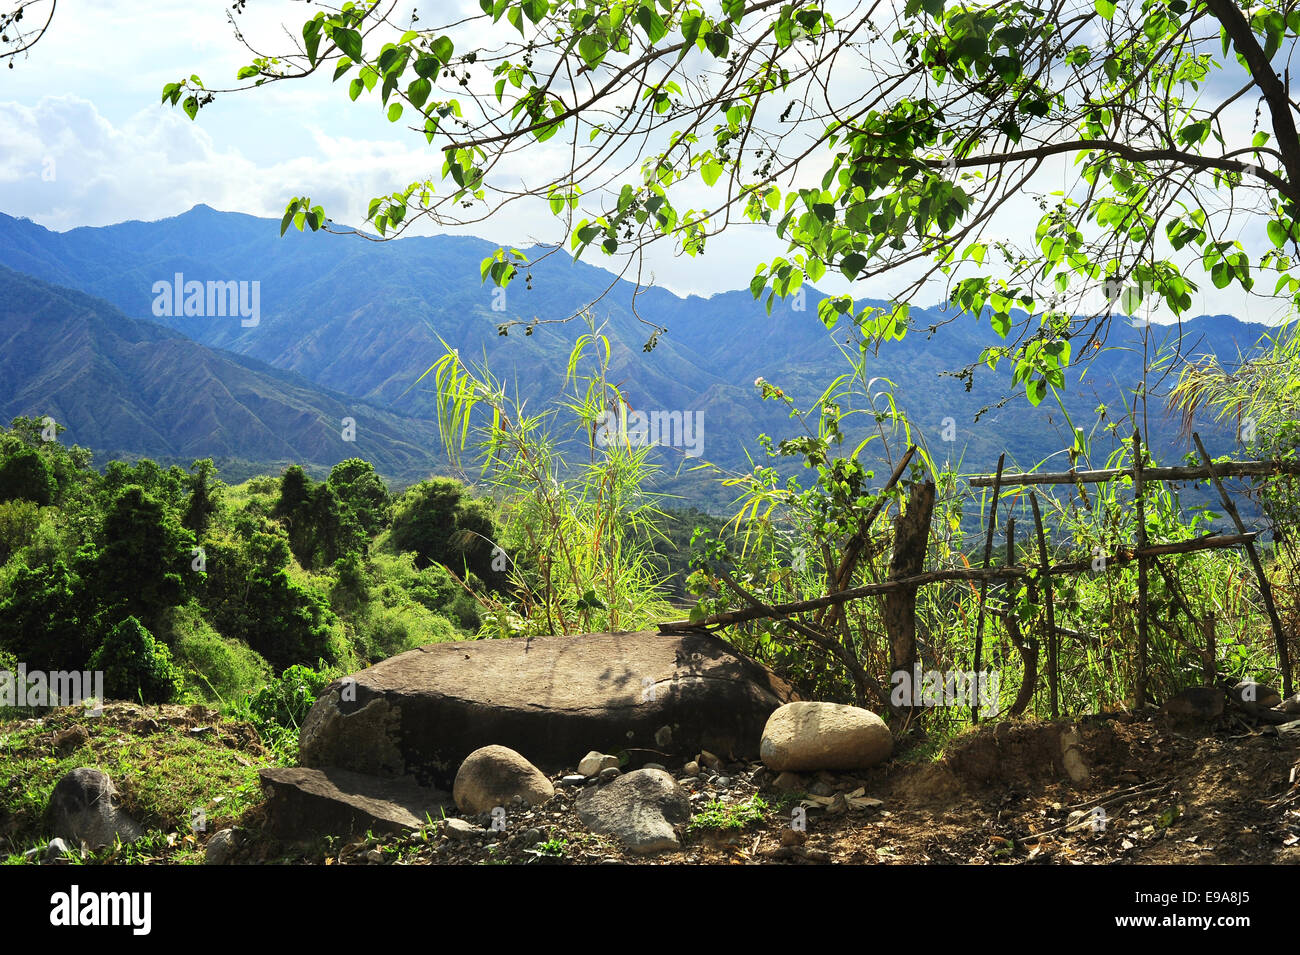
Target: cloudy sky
86, 141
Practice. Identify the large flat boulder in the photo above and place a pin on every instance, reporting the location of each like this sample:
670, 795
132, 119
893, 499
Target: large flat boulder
551, 699
303, 802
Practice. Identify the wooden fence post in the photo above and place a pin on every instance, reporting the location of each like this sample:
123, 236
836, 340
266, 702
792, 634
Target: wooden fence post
911, 541
1140, 691
1283, 654
1053, 673
984, 584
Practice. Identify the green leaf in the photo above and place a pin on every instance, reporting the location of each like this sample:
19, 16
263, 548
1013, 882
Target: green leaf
1105, 7
1277, 233
536, 9
418, 92
349, 41
394, 112
852, 264
443, 49
191, 106
592, 49
710, 171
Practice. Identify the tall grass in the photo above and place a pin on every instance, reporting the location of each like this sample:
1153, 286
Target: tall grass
578, 521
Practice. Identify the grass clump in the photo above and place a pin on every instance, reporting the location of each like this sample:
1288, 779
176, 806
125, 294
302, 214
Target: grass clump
721, 816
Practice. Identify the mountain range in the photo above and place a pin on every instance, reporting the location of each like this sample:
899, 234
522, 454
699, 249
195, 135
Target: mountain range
346, 326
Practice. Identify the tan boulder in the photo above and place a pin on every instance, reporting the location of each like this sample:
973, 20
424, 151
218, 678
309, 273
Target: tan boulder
807, 736
493, 775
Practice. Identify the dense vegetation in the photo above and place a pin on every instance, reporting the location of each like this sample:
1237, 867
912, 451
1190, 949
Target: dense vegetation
177, 586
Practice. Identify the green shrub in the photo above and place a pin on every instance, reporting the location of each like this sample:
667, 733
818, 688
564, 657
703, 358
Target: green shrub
25, 476
440, 523
19, 521
389, 630
285, 701
135, 665
215, 668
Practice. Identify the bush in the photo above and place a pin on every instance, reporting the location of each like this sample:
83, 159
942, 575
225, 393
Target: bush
215, 668
19, 521
25, 476
45, 619
388, 631
286, 701
441, 524
135, 665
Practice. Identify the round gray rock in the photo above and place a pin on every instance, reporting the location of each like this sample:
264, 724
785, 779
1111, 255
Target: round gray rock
84, 808
493, 775
806, 736
219, 847
639, 809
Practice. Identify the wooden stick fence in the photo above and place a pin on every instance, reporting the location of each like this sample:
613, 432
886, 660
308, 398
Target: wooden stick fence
1145, 554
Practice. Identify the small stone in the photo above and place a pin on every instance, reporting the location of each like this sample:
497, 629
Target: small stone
664, 737
724, 782
640, 809
789, 783
816, 855
1253, 697
84, 808
201, 732
793, 837
375, 857
530, 837
820, 788
71, 738
594, 763
805, 736
692, 768
463, 831
219, 847
491, 775
708, 759
658, 766
608, 773
56, 850
574, 780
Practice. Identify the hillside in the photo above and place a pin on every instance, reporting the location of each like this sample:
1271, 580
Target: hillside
127, 387
362, 319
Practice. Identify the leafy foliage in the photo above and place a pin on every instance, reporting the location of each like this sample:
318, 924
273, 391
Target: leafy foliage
135, 665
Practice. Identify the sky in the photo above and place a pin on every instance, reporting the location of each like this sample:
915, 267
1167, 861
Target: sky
84, 141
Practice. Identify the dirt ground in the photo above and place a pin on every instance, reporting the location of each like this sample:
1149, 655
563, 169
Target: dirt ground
1117, 790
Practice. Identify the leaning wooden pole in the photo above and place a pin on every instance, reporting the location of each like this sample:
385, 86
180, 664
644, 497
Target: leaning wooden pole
729, 617
1139, 499
1053, 671
984, 584
911, 543
1180, 473
1266, 591
1028, 652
